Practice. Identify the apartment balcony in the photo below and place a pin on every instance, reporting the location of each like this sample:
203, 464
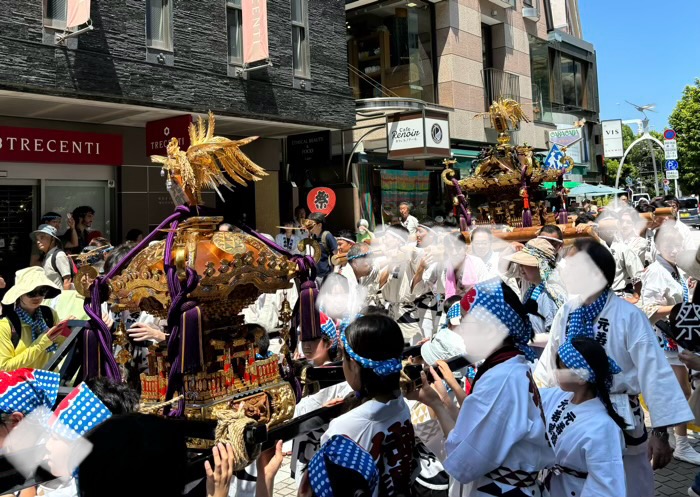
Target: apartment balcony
506, 4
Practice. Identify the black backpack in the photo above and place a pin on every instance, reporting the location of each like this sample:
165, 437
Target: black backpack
71, 264
16, 323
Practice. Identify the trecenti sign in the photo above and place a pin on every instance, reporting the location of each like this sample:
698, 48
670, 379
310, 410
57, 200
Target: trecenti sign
59, 146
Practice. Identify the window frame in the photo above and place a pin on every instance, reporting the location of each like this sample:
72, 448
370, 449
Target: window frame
238, 6
167, 45
305, 71
51, 22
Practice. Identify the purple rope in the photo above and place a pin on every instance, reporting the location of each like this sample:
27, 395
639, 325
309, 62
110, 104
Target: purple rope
462, 202
306, 263
97, 334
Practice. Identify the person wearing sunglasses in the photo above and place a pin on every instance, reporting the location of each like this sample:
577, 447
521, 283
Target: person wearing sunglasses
29, 331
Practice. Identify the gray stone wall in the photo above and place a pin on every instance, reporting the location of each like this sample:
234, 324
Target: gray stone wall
112, 63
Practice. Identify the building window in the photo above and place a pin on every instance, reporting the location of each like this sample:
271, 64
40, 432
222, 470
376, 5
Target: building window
528, 3
234, 25
572, 81
390, 50
55, 13
300, 38
541, 79
159, 24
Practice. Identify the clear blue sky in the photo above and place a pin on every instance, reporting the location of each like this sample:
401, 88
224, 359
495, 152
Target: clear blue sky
648, 51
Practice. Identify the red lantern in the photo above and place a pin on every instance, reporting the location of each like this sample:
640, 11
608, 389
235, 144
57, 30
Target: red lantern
321, 200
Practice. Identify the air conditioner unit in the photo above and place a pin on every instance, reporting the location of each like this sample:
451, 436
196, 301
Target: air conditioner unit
531, 13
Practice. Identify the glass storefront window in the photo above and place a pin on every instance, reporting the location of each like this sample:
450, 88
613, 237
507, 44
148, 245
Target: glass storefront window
390, 50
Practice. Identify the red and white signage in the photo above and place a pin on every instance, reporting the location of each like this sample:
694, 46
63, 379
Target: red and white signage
78, 12
59, 147
321, 200
159, 133
255, 46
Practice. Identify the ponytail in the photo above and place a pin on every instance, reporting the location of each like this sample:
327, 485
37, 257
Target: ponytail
597, 360
604, 396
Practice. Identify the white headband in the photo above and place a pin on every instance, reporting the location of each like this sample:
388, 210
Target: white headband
346, 239
550, 238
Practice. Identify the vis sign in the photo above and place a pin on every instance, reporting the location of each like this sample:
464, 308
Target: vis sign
59, 146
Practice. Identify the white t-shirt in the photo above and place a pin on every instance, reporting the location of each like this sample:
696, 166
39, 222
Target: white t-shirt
62, 264
386, 432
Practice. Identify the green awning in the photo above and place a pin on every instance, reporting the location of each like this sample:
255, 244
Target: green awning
567, 184
459, 152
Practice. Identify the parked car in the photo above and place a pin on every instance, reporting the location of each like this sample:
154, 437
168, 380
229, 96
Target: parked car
636, 197
689, 211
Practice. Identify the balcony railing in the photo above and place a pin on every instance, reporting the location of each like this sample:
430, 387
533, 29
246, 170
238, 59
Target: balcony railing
500, 84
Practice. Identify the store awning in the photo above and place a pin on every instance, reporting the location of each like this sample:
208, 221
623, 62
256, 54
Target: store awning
567, 184
464, 159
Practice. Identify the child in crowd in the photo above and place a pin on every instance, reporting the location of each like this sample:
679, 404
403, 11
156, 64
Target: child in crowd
496, 443
583, 427
381, 424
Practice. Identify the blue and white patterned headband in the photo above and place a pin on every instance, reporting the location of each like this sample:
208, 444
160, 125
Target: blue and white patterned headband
486, 299
341, 451
454, 313
328, 328
573, 360
382, 368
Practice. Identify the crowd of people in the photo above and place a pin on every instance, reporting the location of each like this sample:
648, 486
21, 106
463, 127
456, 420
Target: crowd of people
562, 341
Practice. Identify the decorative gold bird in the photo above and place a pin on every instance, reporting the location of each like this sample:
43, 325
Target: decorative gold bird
207, 161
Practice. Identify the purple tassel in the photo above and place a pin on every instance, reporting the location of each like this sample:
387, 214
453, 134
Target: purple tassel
309, 317
463, 226
527, 218
563, 217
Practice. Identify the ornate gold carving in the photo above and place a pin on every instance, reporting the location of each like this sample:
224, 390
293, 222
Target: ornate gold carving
282, 400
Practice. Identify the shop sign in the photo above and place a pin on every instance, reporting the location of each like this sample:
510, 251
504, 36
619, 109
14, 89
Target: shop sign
571, 138
612, 139
418, 135
255, 46
309, 148
56, 146
160, 132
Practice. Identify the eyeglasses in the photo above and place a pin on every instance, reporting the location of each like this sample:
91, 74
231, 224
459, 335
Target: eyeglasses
38, 292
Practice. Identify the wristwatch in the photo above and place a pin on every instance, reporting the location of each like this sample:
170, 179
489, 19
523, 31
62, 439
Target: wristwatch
661, 433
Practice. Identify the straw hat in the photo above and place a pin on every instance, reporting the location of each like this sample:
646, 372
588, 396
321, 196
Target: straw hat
47, 229
28, 280
534, 251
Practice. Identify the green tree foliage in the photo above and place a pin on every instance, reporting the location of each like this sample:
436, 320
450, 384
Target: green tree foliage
638, 163
685, 119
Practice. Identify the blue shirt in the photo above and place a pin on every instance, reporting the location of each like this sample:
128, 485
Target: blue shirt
323, 268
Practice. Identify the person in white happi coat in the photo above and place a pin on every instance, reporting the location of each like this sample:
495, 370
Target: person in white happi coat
394, 281
583, 426
496, 442
482, 247
631, 225
628, 266
430, 278
665, 285
537, 262
628, 338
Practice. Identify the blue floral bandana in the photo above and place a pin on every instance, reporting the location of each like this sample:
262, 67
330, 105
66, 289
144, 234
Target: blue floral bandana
581, 320
573, 360
341, 451
486, 299
382, 368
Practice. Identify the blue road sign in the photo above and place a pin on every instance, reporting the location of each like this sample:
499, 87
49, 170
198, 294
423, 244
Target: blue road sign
672, 165
552, 160
669, 134
629, 181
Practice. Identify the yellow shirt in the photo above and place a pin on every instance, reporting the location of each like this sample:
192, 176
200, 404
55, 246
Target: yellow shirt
27, 354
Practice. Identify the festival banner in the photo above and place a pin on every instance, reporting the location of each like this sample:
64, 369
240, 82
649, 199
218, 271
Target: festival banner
78, 12
255, 46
